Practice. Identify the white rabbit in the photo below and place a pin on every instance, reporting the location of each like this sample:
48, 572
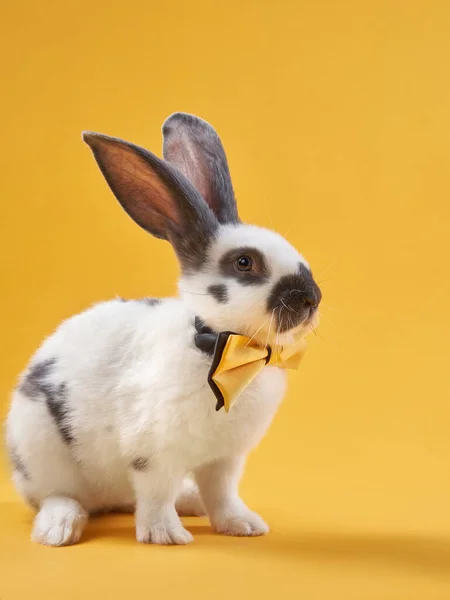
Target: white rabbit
114, 411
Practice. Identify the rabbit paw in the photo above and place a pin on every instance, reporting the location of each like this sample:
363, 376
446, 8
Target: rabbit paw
245, 523
60, 522
164, 532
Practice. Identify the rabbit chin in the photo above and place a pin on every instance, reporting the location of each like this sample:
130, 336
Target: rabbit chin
301, 331
257, 324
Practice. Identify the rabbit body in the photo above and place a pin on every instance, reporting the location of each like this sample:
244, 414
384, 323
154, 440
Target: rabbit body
135, 390
114, 410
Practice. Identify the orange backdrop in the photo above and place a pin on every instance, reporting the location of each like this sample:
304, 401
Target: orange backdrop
336, 120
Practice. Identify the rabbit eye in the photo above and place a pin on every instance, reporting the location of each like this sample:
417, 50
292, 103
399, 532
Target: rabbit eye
244, 263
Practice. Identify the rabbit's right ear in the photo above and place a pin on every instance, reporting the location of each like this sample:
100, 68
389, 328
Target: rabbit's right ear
194, 147
156, 196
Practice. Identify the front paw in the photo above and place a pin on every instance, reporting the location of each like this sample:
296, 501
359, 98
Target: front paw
243, 523
164, 532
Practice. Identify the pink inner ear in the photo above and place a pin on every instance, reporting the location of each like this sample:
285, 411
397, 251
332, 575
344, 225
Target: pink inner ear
136, 184
184, 154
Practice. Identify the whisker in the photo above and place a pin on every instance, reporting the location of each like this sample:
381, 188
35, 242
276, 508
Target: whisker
290, 323
323, 305
312, 329
322, 316
325, 270
270, 326
286, 306
276, 341
287, 231
194, 293
256, 333
318, 334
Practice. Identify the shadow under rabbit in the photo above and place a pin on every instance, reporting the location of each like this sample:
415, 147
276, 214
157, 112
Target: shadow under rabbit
410, 552
390, 550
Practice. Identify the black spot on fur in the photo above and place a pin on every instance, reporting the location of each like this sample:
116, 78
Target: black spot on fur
17, 462
201, 327
205, 338
36, 386
303, 269
56, 402
146, 300
219, 292
150, 301
259, 273
139, 464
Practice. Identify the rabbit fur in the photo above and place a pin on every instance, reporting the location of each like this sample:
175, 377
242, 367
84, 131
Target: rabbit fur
114, 411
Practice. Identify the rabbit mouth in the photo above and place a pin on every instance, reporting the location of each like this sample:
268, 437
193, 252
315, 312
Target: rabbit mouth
289, 318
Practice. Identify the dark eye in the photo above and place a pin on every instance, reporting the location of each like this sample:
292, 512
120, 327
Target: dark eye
244, 263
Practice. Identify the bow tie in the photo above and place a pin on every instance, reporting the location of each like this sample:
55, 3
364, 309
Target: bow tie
237, 360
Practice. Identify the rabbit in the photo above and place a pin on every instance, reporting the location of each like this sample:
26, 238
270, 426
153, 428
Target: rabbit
113, 412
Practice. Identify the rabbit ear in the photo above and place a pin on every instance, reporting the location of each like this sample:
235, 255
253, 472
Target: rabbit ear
156, 196
194, 147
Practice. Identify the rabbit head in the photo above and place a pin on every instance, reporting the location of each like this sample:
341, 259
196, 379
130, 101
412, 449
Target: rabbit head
235, 277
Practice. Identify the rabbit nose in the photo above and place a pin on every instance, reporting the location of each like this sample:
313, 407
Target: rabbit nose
311, 296
297, 296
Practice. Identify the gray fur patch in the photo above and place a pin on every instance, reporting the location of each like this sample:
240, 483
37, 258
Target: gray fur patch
219, 292
303, 269
56, 402
150, 301
17, 462
36, 385
139, 464
192, 250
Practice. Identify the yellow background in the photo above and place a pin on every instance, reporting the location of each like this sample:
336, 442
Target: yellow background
336, 120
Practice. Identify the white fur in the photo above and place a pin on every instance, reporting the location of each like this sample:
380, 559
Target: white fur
60, 522
137, 387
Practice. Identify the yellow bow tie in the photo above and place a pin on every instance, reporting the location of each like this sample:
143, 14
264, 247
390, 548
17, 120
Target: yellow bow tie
237, 360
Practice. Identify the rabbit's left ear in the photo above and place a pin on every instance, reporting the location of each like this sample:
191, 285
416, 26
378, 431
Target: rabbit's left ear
194, 147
